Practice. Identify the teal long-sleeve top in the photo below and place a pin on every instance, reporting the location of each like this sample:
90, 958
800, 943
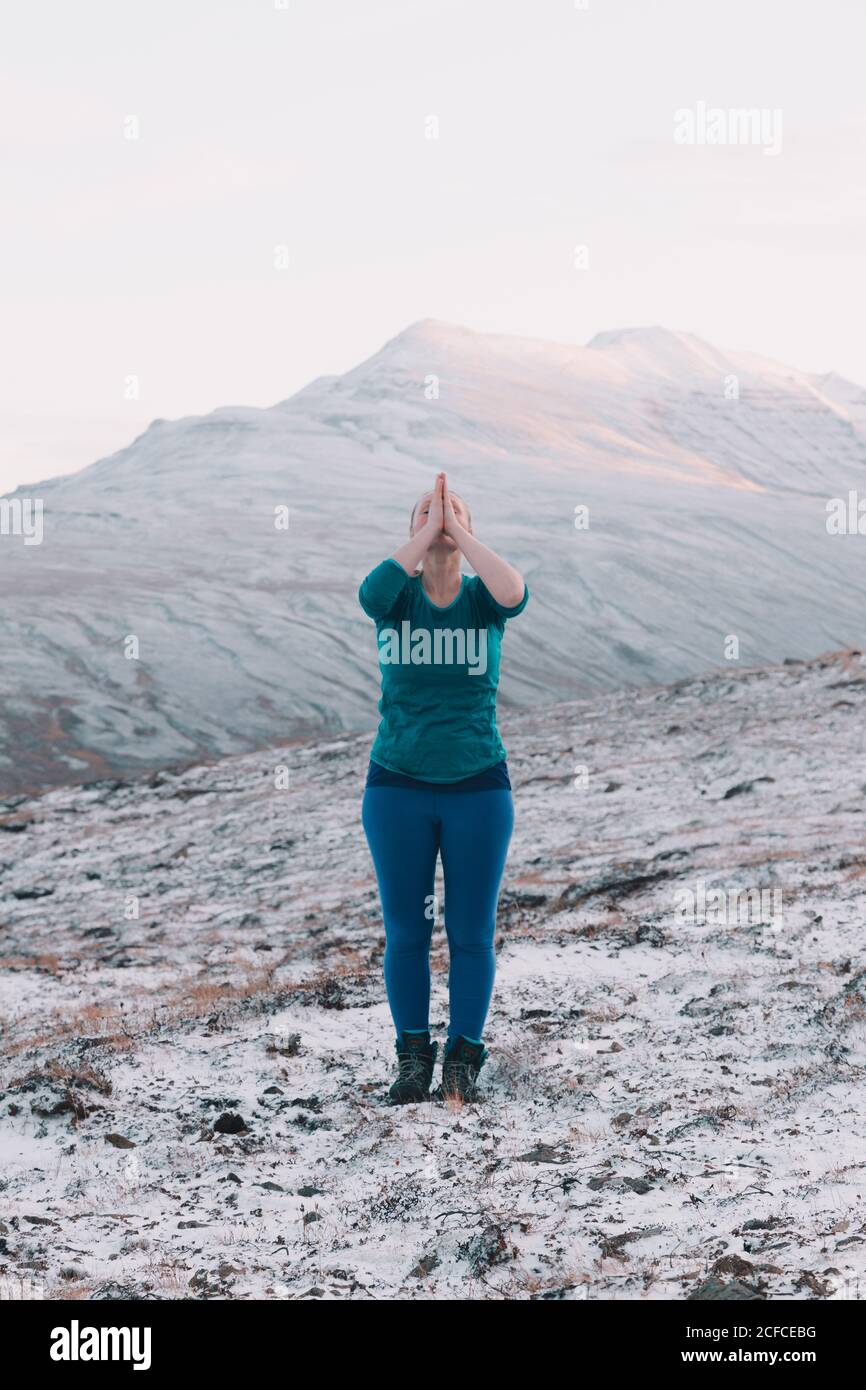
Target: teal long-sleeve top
440, 674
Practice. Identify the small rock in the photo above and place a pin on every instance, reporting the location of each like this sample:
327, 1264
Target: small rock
230, 1123
716, 1290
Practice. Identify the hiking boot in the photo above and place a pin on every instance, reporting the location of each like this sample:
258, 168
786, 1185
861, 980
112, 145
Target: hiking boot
461, 1064
416, 1058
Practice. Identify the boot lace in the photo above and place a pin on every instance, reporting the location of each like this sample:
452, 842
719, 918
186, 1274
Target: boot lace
459, 1078
412, 1068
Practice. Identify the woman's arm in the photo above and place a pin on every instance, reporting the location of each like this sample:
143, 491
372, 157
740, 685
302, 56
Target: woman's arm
503, 581
381, 589
383, 586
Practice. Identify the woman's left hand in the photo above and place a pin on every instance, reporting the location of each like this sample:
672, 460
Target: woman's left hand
504, 582
450, 525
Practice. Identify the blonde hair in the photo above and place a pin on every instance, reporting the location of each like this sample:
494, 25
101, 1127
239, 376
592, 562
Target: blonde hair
415, 508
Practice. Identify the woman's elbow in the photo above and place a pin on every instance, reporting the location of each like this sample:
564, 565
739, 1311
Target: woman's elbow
514, 597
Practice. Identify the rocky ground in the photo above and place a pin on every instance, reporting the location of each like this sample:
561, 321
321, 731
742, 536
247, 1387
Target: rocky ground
196, 1046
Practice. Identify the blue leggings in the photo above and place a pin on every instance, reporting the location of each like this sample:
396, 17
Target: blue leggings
406, 829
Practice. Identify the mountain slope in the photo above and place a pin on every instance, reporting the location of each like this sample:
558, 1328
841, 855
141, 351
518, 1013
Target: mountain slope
707, 518
672, 1105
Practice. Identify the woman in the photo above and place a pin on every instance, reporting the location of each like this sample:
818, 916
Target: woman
438, 781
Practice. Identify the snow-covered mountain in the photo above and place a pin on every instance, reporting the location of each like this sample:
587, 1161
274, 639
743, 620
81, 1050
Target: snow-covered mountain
706, 475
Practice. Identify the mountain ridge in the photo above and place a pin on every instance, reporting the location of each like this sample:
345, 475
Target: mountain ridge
706, 518
440, 333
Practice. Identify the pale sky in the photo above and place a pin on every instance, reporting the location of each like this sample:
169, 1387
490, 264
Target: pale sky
304, 126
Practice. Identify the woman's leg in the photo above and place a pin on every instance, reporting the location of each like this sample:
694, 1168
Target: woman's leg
476, 830
402, 834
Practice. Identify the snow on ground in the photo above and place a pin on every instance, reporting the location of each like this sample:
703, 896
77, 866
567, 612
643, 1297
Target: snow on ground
193, 1101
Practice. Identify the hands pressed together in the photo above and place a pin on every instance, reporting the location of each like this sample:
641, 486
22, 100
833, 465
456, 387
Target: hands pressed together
441, 518
502, 580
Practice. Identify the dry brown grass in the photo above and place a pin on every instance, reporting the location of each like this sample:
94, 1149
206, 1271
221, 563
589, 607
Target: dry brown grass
46, 961
69, 1075
118, 1030
105, 1022
70, 1292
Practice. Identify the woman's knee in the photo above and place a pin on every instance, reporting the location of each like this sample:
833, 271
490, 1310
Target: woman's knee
407, 938
474, 938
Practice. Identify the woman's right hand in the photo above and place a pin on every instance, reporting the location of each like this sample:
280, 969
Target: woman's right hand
436, 512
